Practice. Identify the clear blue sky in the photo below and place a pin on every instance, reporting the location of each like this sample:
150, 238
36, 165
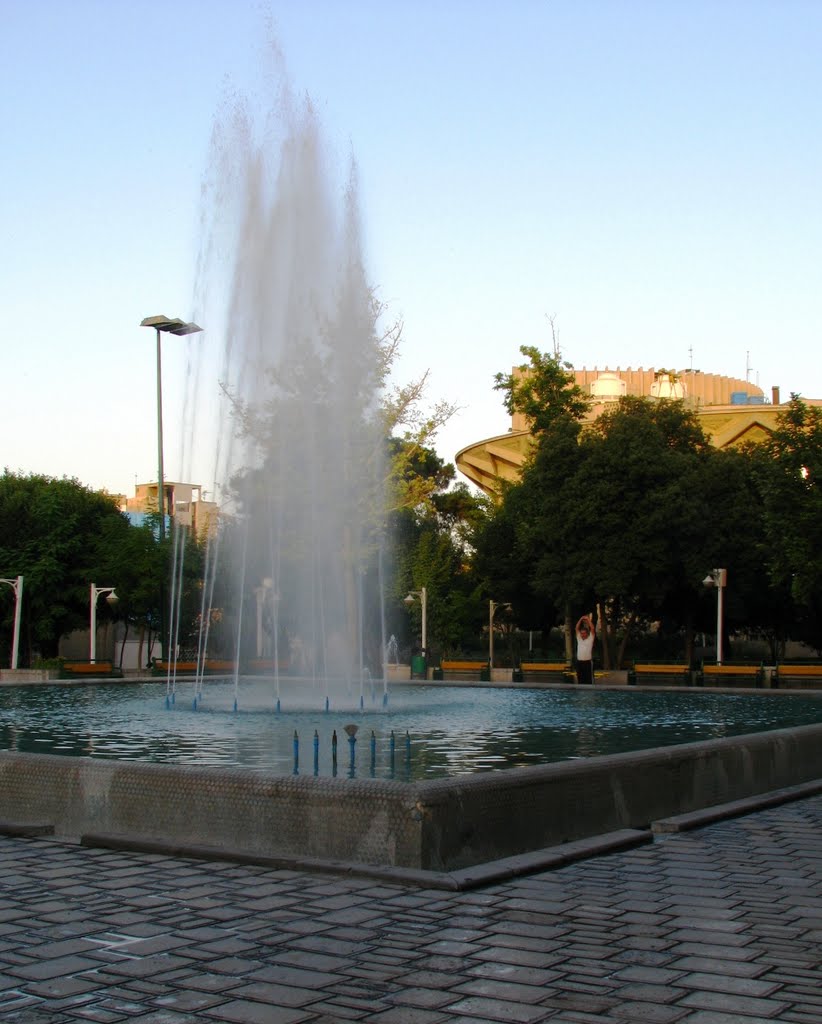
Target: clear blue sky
648, 172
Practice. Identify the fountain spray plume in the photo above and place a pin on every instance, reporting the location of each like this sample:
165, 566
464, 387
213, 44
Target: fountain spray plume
300, 439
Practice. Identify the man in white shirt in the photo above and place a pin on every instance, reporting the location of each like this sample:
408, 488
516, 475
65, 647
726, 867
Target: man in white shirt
586, 635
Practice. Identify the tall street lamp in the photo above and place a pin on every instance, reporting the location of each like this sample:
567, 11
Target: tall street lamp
17, 586
162, 324
112, 599
718, 578
422, 594
492, 608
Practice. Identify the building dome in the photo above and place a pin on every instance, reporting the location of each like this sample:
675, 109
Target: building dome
608, 387
667, 385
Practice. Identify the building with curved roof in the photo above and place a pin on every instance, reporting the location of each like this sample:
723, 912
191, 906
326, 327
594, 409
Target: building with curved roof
731, 412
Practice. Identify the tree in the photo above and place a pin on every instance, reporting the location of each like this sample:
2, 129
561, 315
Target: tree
626, 516
429, 546
543, 390
59, 535
788, 472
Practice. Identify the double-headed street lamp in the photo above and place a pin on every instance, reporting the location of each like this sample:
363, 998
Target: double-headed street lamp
112, 599
718, 578
17, 586
162, 324
422, 594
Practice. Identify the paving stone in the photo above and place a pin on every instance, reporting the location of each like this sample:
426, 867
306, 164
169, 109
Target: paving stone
714, 1017
649, 1013
279, 995
245, 1012
407, 1015
496, 1009
738, 986
620, 938
740, 1005
53, 967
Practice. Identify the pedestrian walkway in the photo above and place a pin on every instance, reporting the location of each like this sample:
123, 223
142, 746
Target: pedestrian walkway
714, 926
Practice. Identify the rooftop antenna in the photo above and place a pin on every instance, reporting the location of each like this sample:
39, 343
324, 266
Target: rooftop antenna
748, 367
552, 320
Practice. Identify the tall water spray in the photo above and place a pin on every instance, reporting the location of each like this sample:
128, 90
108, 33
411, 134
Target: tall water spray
299, 438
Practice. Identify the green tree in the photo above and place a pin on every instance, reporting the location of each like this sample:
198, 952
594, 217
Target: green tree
788, 472
59, 535
543, 389
429, 547
627, 515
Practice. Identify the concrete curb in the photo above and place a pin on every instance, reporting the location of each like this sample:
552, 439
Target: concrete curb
454, 881
736, 808
474, 877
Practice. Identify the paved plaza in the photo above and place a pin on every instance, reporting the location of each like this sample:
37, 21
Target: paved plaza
718, 925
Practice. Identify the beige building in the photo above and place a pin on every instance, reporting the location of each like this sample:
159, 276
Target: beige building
182, 502
731, 411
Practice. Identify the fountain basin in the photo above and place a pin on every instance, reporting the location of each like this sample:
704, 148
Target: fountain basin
441, 825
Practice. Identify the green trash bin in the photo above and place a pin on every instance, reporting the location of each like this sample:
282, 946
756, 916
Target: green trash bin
485, 674
418, 666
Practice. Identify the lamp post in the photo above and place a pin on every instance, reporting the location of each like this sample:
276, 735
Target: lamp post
112, 598
492, 608
17, 586
260, 593
163, 324
422, 594
718, 578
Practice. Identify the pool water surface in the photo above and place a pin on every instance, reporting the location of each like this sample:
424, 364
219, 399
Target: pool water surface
426, 731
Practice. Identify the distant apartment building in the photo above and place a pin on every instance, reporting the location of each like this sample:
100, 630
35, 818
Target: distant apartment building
183, 503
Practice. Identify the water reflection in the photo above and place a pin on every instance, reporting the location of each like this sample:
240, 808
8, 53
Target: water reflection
427, 732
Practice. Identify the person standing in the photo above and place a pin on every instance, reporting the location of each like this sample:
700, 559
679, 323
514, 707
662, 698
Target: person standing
586, 635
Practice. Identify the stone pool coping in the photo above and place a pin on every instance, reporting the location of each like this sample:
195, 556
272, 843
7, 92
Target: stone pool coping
455, 830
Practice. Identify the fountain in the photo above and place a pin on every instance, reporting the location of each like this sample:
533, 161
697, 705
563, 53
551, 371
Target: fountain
294, 578
299, 446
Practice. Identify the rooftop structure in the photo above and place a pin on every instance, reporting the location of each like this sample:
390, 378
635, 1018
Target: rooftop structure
731, 412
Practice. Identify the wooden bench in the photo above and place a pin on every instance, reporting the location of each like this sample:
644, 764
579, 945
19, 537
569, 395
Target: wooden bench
266, 665
219, 665
807, 675
211, 666
559, 671
73, 669
179, 668
464, 668
731, 675
660, 673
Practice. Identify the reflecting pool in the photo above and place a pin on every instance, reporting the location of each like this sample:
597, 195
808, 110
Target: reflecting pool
426, 731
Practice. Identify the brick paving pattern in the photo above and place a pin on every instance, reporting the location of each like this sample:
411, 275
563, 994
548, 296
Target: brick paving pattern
714, 926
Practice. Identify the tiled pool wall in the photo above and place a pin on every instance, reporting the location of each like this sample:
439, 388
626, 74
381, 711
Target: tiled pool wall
443, 825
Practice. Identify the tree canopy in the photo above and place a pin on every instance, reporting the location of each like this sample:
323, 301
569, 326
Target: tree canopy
60, 536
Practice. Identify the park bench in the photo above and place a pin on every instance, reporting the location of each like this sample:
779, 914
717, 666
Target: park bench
732, 675
556, 671
798, 675
262, 666
98, 669
463, 668
220, 666
179, 668
211, 666
660, 673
